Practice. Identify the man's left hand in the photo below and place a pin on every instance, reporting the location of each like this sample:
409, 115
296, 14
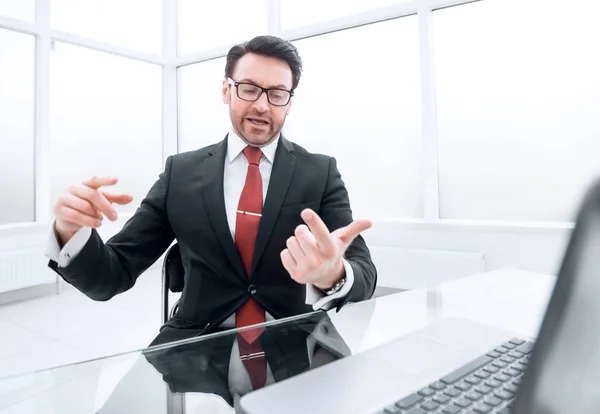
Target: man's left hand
314, 255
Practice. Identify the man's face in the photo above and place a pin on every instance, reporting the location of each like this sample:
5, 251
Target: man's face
258, 122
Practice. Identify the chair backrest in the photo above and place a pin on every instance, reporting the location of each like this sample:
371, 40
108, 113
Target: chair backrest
172, 280
173, 272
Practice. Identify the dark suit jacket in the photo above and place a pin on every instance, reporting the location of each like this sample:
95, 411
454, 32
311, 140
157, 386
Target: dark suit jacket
187, 203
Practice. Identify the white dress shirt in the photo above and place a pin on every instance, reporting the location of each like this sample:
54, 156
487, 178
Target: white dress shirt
236, 166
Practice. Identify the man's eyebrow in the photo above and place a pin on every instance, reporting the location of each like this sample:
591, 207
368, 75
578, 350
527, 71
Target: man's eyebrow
280, 85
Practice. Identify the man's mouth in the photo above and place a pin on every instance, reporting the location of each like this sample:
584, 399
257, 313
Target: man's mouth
258, 121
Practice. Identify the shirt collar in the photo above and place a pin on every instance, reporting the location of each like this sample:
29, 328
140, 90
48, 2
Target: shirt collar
235, 146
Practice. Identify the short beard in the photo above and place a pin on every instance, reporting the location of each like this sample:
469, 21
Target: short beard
241, 135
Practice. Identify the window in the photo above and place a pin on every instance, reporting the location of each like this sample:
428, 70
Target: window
17, 83
18, 9
297, 13
135, 24
203, 117
518, 101
105, 119
207, 25
360, 101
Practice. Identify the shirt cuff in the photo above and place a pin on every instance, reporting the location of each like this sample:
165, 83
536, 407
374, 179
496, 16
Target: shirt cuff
319, 300
65, 255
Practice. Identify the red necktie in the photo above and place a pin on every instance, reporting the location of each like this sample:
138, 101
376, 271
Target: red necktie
248, 218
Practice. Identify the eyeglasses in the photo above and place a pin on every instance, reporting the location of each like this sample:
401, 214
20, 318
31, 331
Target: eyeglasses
251, 92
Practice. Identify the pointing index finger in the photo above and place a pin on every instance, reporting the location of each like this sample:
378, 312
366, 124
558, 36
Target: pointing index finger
352, 230
97, 182
319, 230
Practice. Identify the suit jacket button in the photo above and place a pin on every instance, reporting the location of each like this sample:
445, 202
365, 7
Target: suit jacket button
252, 289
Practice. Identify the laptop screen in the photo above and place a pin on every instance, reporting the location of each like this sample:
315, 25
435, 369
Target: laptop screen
564, 372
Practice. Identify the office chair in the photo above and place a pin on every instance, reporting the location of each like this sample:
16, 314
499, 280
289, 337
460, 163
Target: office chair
172, 280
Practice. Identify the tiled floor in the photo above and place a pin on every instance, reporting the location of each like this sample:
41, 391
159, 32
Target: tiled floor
55, 330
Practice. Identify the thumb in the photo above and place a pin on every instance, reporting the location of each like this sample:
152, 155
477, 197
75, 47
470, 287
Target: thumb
349, 233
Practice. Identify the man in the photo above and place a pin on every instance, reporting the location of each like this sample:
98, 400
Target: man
264, 227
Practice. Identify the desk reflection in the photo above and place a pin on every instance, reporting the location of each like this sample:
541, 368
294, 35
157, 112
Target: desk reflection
214, 367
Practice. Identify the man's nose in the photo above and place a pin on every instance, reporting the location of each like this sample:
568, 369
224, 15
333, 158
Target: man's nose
262, 103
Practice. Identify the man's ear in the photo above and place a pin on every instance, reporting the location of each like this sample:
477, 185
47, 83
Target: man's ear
289, 108
225, 92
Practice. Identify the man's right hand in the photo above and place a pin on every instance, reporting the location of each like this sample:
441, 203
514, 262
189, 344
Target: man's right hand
82, 205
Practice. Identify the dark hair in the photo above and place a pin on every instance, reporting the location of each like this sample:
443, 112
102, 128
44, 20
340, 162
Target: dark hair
270, 46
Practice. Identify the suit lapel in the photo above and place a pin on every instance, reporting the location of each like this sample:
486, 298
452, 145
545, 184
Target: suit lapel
214, 199
281, 176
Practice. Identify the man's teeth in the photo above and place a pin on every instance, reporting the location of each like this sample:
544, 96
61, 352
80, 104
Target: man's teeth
257, 122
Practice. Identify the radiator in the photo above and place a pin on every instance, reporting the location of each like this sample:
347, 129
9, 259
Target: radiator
407, 268
24, 268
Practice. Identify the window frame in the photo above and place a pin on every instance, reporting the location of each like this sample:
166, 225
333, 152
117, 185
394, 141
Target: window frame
171, 63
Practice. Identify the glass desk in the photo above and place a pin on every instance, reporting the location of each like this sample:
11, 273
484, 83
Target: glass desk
205, 374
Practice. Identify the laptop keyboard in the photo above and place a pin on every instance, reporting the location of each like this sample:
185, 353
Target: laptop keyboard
487, 384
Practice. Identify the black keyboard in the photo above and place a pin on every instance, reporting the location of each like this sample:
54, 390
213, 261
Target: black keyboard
485, 385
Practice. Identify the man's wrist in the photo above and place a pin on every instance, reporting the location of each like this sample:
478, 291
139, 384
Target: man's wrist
336, 288
340, 276
63, 236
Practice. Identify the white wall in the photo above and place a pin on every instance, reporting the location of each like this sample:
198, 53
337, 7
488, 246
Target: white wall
538, 250
22, 260
535, 249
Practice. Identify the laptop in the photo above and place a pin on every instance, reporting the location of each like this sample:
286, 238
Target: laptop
461, 366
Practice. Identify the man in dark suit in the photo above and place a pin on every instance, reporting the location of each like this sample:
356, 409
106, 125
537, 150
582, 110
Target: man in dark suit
264, 227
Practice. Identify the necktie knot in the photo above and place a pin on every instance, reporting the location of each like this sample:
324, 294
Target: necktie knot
252, 154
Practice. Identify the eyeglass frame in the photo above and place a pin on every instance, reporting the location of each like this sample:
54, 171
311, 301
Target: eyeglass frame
262, 90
